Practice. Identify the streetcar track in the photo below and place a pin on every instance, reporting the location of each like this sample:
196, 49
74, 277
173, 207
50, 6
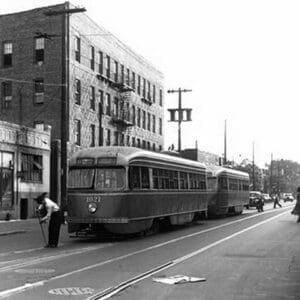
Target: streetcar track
27, 286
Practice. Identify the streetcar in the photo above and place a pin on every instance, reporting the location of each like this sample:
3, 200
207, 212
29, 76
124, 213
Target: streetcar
127, 190
228, 191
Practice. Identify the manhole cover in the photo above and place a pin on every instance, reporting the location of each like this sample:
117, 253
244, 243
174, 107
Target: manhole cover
72, 291
34, 271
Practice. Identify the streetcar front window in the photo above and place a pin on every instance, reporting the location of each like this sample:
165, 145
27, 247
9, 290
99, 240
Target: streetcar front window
110, 179
81, 178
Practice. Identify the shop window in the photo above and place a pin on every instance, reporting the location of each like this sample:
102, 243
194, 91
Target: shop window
32, 167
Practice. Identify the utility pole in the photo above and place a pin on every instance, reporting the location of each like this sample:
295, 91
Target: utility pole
253, 169
179, 111
225, 143
65, 13
271, 175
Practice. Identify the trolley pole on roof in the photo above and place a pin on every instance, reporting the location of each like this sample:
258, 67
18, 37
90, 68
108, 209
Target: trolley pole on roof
253, 169
180, 113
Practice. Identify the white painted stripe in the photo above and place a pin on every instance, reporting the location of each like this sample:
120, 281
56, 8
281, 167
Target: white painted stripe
122, 286
22, 288
25, 262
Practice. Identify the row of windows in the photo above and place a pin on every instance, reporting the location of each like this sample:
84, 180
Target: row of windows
233, 184
139, 178
119, 139
6, 91
7, 52
112, 69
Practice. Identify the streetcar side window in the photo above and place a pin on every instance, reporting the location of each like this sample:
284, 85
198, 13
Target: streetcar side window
145, 178
165, 179
183, 180
139, 178
233, 185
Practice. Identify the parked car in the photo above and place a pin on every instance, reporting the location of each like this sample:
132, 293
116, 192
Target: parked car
288, 197
266, 198
254, 196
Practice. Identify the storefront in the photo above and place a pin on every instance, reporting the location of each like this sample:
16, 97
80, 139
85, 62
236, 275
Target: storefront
24, 169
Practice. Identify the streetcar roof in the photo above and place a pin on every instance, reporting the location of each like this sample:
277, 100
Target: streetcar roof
128, 155
219, 170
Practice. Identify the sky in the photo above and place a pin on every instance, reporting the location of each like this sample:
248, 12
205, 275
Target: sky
241, 59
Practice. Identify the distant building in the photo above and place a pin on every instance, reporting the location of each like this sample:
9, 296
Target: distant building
24, 169
201, 156
114, 96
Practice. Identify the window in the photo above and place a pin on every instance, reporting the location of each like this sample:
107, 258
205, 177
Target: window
92, 135
153, 94
39, 50
77, 91
153, 124
144, 119
116, 70
144, 88
149, 122
139, 85
144, 144
109, 179
139, 117
165, 179
222, 182
7, 54
81, 178
122, 141
6, 94
154, 147
92, 97
138, 142
128, 77
127, 140
160, 97
116, 107
133, 141
6, 179
100, 62
39, 91
160, 126
122, 74
107, 66
133, 115
108, 139
133, 80
139, 178
77, 48
116, 138
149, 91
108, 104
92, 57
148, 146
183, 180
32, 167
77, 128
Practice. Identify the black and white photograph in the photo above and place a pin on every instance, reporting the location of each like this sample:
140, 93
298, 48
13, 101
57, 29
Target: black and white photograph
149, 150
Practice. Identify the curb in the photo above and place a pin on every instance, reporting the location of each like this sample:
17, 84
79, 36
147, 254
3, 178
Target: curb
12, 232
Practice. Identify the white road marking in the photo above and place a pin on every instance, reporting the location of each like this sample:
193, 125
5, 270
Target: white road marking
72, 291
23, 262
29, 286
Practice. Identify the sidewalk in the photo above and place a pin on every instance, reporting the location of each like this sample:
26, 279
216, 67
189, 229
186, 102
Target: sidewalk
17, 226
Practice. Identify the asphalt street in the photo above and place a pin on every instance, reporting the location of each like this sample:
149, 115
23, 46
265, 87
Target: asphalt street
251, 256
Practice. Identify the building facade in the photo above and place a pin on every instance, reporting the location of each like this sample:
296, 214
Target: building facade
113, 96
24, 169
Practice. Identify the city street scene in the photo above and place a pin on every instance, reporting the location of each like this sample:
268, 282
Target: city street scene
149, 150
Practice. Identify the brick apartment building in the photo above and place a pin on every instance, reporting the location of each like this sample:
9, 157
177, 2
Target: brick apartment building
113, 95
60, 68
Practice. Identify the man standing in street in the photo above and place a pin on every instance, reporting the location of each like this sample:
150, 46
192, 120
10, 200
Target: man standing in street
53, 216
276, 201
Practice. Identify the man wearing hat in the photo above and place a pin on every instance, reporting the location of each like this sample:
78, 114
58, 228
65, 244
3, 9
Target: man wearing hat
53, 215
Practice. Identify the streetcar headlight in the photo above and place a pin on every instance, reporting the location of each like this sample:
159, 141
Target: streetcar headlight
92, 207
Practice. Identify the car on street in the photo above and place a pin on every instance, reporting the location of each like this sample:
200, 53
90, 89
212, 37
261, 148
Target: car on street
266, 198
288, 197
254, 196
